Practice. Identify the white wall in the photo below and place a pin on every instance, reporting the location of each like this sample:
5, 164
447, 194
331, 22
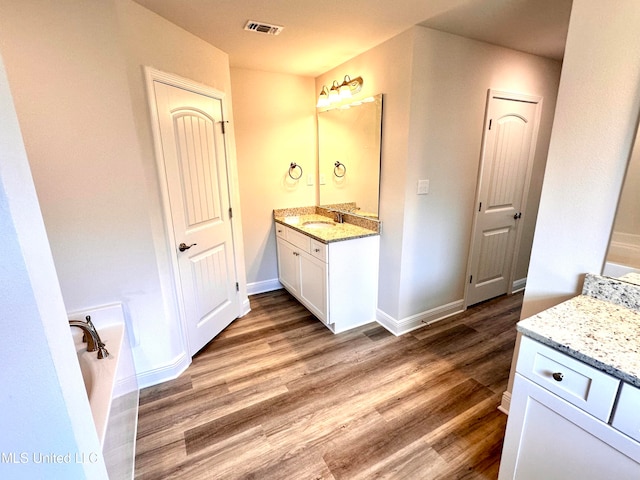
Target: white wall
435, 87
43, 407
150, 40
386, 69
274, 125
594, 128
69, 82
75, 69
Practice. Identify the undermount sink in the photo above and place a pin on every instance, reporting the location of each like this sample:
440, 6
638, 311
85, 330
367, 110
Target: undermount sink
318, 224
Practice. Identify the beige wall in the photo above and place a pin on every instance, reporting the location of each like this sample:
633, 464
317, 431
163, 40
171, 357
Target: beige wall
275, 125
594, 128
435, 87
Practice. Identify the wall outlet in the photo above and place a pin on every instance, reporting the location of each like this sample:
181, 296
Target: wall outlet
423, 187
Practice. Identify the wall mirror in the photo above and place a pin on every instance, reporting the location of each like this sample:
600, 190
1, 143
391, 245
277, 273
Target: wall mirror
349, 157
623, 255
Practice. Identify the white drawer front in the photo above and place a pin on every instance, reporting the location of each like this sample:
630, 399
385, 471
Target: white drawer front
319, 250
626, 417
298, 239
582, 385
281, 231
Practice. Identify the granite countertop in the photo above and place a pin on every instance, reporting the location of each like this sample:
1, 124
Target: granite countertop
595, 331
336, 233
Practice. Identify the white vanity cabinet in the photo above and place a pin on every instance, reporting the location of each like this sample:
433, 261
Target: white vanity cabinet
562, 421
336, 281
302, 274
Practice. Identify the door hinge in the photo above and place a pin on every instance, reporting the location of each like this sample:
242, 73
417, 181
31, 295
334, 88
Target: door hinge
480, 207
223, 122
237, 287
470, 278
230, 212
490, 121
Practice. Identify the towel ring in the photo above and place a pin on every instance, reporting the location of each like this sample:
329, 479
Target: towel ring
293, 166
335, 169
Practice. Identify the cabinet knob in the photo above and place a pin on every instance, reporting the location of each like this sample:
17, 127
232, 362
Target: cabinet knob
317, 250
557, 376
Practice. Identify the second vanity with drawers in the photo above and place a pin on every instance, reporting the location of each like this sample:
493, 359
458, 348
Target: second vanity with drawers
575, 407
331, 268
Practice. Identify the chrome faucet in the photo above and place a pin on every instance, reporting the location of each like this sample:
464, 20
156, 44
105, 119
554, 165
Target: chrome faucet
90, 337
339, 217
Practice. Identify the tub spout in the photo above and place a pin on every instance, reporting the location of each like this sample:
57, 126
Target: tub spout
91, 336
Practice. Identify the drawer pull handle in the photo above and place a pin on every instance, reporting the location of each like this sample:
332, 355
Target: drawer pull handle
557, 376
317, 250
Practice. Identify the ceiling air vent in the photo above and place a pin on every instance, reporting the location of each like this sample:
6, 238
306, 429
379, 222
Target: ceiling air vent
263, 27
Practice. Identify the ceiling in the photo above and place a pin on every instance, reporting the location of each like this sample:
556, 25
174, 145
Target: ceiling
319, 36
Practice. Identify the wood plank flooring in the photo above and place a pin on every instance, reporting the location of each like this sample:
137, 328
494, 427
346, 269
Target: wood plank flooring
278, 396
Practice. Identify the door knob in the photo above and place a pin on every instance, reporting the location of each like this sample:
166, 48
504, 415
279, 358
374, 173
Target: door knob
183, 246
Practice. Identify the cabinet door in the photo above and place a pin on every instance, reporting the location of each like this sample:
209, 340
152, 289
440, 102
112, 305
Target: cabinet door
288, 266
548, 438
313, 285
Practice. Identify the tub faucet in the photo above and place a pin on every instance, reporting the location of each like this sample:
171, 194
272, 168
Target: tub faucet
90, 337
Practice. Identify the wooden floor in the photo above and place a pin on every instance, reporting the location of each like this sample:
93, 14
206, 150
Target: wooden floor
278, 396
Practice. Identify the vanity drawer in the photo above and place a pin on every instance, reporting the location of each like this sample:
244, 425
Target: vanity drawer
298, 239
578, 383
319, 250
281, 231
626, 417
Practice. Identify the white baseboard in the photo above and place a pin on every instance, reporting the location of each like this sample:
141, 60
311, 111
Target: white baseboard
264, 286
506, 403
518, 285
245, 307
164, 373
413, 322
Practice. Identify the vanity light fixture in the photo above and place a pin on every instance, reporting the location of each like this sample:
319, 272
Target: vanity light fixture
323, 98
345, 91
334, 92
339, 91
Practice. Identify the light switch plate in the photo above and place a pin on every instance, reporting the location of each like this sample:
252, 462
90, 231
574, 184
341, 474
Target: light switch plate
423, 187
322, 180
310, 179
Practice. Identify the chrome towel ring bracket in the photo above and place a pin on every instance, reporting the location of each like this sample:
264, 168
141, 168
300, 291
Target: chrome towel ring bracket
292, 168
337, 168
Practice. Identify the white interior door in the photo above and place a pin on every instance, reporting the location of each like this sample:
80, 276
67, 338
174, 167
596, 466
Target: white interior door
195, 165
505, 168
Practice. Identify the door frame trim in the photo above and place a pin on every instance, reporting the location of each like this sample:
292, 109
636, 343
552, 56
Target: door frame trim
518, 97
151, 75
